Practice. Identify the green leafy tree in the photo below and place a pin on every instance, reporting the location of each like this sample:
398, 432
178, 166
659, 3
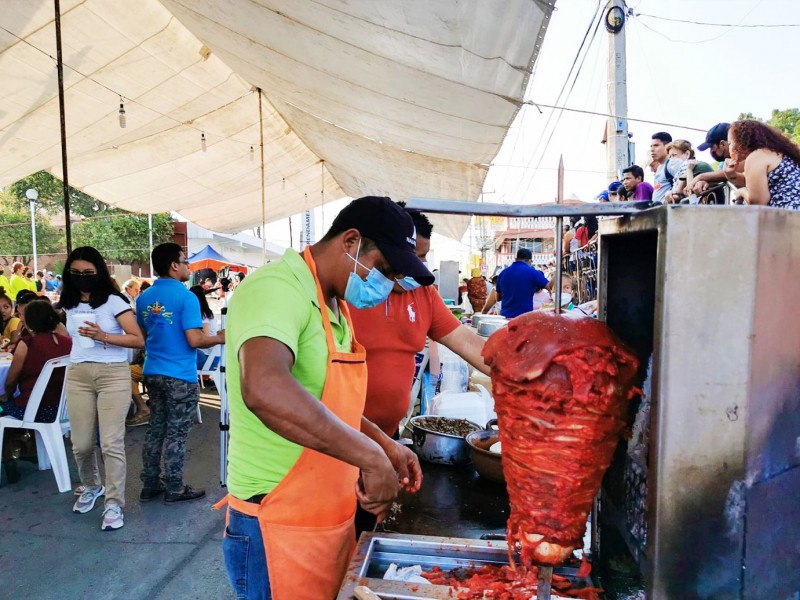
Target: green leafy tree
787, 121
16, 240
122, 237
51, 195
119, 235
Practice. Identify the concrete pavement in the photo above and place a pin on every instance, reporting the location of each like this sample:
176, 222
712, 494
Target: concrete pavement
47, 551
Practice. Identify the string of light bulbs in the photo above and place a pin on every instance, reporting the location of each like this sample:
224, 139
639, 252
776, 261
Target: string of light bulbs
122, 112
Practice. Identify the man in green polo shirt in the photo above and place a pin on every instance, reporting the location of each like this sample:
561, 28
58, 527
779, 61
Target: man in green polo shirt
297, 385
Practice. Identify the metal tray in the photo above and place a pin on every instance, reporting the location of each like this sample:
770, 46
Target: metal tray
375, 551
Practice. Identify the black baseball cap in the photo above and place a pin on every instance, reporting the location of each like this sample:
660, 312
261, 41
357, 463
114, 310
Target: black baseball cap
391, 228
715, 135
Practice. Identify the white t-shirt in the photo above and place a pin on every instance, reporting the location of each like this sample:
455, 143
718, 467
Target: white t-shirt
106, 318
213, 328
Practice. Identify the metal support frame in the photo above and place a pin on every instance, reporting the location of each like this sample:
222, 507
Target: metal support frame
224, 414
483, 209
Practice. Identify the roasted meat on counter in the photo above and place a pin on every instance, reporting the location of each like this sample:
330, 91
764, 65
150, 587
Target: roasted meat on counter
561, 388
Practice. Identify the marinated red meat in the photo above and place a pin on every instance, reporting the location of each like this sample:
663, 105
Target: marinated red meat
504, 583
561, 388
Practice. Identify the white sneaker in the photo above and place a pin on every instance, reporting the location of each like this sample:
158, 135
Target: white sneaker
112, 517
86, 500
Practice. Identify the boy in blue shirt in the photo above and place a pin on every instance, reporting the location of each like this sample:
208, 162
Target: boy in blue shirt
169, 316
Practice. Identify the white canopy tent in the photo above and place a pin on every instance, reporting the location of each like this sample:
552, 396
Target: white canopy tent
359, 97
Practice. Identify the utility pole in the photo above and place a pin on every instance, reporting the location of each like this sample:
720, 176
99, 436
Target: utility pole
617, 129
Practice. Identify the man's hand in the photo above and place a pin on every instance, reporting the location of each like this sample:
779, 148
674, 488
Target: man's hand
377, 487
406, 463
699, 185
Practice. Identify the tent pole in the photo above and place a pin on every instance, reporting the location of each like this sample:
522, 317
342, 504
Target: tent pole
65, 173
263, 190
150, 231
322, 192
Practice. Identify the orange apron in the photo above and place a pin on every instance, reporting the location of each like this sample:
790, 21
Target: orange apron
307, 520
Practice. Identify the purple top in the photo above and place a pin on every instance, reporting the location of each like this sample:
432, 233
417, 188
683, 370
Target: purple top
643, 191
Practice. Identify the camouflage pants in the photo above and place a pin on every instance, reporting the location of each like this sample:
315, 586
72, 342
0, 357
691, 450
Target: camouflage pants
173, 405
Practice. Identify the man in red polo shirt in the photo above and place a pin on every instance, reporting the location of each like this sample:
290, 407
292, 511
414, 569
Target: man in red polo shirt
393, 332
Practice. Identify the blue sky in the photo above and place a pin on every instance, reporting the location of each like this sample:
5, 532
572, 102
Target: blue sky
678, 73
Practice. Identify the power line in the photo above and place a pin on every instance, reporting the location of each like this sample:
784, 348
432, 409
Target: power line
711, 39
732, 25
602, 114
563, 87
566, 99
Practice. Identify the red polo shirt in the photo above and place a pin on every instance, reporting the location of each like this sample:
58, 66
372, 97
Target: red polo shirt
393, 333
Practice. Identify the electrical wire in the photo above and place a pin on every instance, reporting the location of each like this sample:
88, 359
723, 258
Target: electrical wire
648, 69
136, 102
566, 99
594, 18
734, 25
711, 39
602, 114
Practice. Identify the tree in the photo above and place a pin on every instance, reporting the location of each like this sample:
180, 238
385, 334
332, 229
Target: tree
119, 235
15, 235
51, 195
122, 237
787, 121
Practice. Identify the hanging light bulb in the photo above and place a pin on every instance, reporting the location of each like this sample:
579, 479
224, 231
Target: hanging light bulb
122, 120
252, 154
203, 141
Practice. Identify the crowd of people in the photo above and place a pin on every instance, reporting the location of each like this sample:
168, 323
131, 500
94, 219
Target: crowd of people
115, 338
320, 348
761, 164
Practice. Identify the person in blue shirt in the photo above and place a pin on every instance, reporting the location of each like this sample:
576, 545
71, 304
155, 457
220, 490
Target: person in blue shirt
516, 286
169, 315
50, 284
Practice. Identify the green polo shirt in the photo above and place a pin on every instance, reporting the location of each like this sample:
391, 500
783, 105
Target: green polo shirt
278, 301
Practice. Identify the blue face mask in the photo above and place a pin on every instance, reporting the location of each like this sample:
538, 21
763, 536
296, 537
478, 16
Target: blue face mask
407, 283
370, 293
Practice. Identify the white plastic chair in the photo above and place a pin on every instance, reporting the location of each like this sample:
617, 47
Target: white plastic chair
49, 436
207, 371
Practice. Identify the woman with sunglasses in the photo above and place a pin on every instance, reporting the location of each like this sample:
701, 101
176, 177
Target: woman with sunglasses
102, 325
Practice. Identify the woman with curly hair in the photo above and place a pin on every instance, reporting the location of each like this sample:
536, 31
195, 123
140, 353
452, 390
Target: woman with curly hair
770, 162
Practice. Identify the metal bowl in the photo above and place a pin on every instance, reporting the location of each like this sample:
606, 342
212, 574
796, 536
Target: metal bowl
488, 327
439, 448
478, 318
487, 464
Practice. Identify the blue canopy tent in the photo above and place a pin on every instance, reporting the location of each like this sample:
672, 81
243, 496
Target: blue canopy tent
208, 258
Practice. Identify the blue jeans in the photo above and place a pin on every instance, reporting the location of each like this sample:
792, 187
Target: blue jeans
245, 559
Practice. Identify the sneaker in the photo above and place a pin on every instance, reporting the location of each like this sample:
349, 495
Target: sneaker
187, 493
138, 419
112, 517
86, 500
151, 493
